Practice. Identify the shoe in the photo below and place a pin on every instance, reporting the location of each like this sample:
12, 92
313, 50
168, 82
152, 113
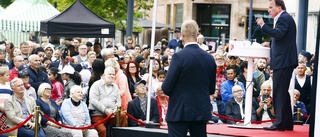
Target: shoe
289, 129
273, 128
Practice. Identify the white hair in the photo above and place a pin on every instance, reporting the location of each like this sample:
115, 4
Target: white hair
73, 89
112, 63
32, 57
106, 52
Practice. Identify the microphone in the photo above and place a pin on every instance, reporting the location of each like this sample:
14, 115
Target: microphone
254, 33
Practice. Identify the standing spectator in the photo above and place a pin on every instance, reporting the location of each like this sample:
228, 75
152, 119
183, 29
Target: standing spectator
235, 106
130, 43
18, 108
183, 85
71, 77
75, 113
226, 86
220, 72
65, 60
97, 48
303, 83
57, 91
91, 57
36, 76
50, 108
283, 60
132, 73
174, 43
232, 63
82, 57
243, 79
201, 43
142, 65
17, 61
3, 58
48, 49
24, 48
261, 74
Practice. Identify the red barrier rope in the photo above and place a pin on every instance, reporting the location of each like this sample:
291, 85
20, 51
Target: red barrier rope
237, 120
78, 128
137, 120
18, 126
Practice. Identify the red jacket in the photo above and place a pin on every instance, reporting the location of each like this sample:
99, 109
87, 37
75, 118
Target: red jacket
160, 107
13, 73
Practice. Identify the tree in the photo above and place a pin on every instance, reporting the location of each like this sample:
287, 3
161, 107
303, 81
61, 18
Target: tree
112, 10
5, 3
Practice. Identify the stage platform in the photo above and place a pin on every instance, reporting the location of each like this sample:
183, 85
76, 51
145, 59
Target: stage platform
213, 130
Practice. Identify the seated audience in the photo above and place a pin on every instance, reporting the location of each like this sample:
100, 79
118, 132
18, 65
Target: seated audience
18, 108
301, 105
162, 101
217, 107
138, 106
75, 113
263, 103
235, 107
104, 100
50, 108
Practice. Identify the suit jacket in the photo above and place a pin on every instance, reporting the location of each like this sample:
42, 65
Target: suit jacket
283, 51
13, 111
189, 82
134, 110
233, 111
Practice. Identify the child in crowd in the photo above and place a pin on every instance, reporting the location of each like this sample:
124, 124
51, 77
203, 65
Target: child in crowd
5, 93
57, 85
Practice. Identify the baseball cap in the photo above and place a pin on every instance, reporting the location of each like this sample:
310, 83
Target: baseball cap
22, 73
306, 54
176, 30
67, 69
22, 67
157, 47
139, 82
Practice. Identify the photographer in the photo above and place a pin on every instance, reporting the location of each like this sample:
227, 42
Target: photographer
263, 103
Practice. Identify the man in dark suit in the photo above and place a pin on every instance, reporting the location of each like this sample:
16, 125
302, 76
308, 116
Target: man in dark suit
283, 60
189, 104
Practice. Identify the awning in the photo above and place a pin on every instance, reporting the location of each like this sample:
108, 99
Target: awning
148, 24
25, 15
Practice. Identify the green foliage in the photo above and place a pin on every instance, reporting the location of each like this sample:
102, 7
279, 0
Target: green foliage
112, 10
5, 3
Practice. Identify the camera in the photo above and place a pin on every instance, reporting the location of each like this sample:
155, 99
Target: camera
264, 97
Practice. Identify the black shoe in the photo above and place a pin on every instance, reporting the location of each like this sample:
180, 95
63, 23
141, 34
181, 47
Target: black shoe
273, 128
289, 129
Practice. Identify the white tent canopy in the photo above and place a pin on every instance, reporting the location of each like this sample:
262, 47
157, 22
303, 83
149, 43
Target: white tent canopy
24, 16
1, 9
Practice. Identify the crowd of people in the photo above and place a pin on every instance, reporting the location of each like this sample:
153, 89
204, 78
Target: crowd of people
80, 83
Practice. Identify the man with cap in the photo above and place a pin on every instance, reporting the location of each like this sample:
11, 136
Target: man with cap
138, 106
24, 76
36, 76
174, 43
232, 63
305, 57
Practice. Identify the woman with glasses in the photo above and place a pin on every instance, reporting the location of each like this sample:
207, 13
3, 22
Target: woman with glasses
132, 71
50, 108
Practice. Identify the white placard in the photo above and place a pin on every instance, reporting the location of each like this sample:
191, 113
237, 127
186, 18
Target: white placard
105, 31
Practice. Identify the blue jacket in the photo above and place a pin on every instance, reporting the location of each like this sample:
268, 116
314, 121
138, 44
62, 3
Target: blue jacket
44, 107
189, 82
37, 78
226, 90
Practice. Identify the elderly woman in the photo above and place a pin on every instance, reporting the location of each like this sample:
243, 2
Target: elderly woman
18, 108
122, 83
50, 108
75, 113
104, 100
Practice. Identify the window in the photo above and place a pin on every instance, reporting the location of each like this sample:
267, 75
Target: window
168, 14
214, 21
178, 15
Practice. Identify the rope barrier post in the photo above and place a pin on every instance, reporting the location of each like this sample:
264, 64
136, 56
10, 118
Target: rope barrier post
36, 127
298, 114
118, 115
